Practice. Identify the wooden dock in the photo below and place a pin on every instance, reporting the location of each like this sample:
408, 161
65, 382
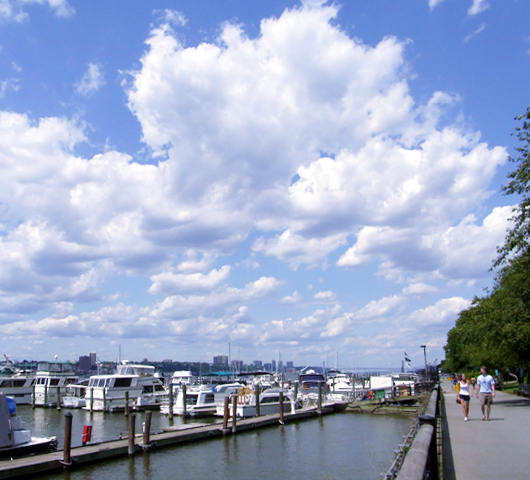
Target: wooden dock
30, 467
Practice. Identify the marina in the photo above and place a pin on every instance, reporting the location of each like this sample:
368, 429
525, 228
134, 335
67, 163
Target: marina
338, 444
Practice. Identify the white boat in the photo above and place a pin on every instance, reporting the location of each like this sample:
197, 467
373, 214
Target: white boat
51, 380
201, 401
75, 396
182, 377
269, 403
137, 383
18, 386
15, 440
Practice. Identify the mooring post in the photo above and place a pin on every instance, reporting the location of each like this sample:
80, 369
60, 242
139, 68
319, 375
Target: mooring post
67, 459
184, 400
226, 413
126, 404
171, 401
281, 408
104, 400
132, 421
45, 394
147, 428
319, 408
295, 395
58, 398
234, 412
91, 399
256, 396
33, 398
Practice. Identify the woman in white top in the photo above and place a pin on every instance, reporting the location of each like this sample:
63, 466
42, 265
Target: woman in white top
465, 395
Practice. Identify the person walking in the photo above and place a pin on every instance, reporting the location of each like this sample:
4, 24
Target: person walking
485, 392
465, 395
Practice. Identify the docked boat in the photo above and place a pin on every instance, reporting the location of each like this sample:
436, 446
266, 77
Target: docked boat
50, 383
136, 384
75, 396
202, 400
182, 377
18, 386
15, 440
269, 403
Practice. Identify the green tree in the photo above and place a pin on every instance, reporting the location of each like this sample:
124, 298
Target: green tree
517, 239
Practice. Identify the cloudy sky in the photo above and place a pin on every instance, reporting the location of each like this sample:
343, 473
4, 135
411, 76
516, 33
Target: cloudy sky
310, 178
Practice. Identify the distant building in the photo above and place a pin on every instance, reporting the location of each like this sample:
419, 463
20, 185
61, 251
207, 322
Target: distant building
268, 367
289, 365
93, 359
220, 359
85, 363
258, 363
273, 366
237, 365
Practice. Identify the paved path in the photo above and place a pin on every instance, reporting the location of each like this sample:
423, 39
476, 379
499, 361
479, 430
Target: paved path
498, 449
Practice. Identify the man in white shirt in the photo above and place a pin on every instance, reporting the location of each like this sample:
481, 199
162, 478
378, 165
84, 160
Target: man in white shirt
486, 392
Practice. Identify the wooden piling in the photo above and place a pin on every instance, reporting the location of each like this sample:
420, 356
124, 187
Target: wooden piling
147, 428
234, 413
226, 413
256, 395
58, 398
171, 401
67, 459
45, 394
319, 408
91, 399
131, 423
184, 400
104, 400
281, 407
33, 397
126, 404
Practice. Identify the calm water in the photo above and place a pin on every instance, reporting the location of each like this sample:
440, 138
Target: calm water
339, 446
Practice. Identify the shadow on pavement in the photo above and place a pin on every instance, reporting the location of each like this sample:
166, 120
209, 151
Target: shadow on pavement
448, 464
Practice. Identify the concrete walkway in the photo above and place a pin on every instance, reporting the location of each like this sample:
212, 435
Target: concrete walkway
498, 449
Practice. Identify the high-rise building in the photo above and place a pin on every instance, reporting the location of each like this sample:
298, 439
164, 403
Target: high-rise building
258, 363
93, 358
85, 363
220, 359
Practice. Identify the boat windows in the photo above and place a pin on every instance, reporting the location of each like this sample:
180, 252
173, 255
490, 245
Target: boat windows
123, 382
54, 382
209, 398
270, 400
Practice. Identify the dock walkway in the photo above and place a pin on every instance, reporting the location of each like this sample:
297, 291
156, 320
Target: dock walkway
494, 450
30, 467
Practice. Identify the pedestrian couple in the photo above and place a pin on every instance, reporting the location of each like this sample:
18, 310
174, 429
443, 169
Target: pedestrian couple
485, 392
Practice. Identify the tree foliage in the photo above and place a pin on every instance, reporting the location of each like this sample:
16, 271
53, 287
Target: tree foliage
518, 237
495, 329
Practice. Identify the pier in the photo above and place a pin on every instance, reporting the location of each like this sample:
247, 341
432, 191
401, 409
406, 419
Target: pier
30, 467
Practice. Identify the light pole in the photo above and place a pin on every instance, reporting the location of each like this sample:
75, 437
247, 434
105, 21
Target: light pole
425, 357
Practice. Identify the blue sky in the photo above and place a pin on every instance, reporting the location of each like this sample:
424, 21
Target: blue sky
311, 178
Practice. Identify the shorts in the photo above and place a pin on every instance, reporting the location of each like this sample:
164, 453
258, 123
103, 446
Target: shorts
464, 398
485, 399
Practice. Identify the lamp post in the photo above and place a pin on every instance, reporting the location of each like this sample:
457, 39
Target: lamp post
425, 357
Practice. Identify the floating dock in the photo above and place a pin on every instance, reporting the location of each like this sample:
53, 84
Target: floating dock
30, 467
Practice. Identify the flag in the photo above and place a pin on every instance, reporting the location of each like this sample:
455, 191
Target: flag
407, 359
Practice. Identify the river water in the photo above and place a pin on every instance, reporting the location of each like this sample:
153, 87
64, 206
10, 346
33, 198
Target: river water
336, 446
